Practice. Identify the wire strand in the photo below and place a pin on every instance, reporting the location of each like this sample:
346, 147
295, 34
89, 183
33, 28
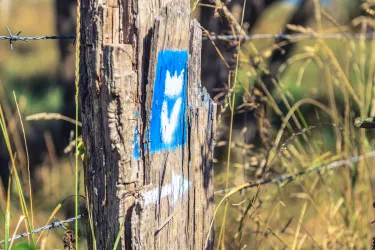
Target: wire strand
54, 224
343, 35
284, 177
13, 38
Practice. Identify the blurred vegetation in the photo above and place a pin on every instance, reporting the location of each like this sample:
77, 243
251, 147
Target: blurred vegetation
330, 209
30, 70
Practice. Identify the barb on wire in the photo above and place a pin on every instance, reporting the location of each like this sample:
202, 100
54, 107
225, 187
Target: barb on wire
290, 177
13, 38
54, 224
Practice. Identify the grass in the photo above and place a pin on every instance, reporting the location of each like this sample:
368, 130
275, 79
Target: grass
28, 65
330, 210
14, 172
326, 209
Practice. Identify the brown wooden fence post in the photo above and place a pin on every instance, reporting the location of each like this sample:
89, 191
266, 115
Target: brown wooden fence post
148, 125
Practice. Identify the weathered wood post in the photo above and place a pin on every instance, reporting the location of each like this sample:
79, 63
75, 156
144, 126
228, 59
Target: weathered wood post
148, 125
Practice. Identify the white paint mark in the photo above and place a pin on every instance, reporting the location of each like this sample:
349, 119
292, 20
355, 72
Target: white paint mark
176, 189
173, 89
169, 125
173, 84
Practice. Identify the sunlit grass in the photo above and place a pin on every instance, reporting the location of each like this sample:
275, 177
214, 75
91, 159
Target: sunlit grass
329, 210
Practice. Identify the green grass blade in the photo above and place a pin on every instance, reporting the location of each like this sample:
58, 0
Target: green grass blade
7, 217
27, 159
16, 176
89, 212
50, 219
23, 246
119, 234
2, 217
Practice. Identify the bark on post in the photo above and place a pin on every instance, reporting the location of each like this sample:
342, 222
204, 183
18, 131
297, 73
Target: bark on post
148, 125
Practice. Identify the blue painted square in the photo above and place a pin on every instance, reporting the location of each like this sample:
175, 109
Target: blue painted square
168, 124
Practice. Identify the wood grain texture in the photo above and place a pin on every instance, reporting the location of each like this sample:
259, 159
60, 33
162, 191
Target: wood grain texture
164, 196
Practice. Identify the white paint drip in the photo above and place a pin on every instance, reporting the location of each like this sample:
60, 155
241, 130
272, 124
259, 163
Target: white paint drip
176, 189
173, 88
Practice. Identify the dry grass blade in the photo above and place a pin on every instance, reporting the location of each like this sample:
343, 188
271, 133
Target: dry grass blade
216, 48
15, 231
50, 219
300, 29
224, 12
76, 83
28, 161
71, 146
299, 225
51, 116
293, 109
272, 232
230, 193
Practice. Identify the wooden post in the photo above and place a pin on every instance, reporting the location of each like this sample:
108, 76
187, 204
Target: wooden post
148, 125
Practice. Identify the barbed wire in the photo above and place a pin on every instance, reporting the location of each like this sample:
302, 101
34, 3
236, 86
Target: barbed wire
13, 38
341, 35
54, 224
290, 177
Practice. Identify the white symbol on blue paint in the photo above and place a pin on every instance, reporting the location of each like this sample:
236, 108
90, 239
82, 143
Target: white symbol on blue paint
169, 119
168, 124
